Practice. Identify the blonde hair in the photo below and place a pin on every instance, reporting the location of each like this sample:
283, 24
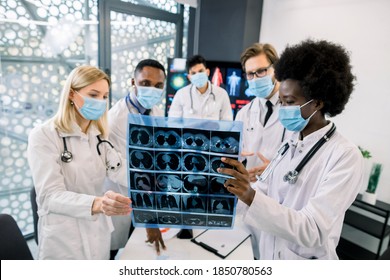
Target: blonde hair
257, 49
79, 78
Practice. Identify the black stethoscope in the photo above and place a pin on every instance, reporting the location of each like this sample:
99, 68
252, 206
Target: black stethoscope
292, 176
67, 156
192, 101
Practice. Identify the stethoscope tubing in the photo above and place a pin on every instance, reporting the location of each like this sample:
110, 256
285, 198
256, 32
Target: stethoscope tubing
192, 101
67, 155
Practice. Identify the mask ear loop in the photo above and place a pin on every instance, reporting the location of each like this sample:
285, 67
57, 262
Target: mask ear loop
305, 105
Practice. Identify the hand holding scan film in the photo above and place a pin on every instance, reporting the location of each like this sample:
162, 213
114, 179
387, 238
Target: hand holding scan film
173, 165
240, 184
112, 204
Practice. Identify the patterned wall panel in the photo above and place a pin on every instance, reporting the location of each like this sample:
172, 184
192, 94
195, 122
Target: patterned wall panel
40, 43
133, 39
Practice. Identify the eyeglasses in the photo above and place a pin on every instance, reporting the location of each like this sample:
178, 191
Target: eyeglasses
261, 72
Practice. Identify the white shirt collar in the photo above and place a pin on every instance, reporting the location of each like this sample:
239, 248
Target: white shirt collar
274, 100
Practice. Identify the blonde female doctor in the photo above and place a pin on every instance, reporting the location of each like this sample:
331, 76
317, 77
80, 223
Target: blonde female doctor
298, 205
69, 159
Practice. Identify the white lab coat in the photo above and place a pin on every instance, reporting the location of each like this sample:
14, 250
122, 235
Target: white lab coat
258, 138
66, 191
117, 120
304, 220
214, 104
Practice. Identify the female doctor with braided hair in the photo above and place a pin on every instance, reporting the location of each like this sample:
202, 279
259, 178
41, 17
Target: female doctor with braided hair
69, 160
299, 202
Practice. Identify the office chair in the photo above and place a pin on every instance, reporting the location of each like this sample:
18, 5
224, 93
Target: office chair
13, 246
34, 207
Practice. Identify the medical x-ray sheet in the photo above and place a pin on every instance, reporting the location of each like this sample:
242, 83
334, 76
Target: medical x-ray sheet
173, 178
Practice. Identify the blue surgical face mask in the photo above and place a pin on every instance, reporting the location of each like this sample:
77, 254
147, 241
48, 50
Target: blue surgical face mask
291, 118
199, 80
92, 108
149, 96
261, 87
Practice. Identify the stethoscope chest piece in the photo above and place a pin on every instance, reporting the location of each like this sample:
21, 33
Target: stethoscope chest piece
66, 156
291, 177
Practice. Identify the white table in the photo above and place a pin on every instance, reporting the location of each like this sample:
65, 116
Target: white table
178, 249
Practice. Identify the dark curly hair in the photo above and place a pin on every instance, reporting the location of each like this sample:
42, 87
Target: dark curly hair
323, 70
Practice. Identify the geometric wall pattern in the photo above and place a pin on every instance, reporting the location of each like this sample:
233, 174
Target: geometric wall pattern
40, 43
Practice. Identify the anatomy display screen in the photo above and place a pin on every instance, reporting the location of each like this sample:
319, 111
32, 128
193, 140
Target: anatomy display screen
227, 75
173, 178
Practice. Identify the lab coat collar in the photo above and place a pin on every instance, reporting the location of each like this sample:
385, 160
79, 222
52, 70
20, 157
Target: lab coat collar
274, 100
76, 131
313, 137
207, 92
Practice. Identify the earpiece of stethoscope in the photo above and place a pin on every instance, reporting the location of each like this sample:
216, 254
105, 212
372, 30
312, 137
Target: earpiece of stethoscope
66, 156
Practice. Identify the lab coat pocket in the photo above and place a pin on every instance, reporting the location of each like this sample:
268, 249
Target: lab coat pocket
60, 240
287, 254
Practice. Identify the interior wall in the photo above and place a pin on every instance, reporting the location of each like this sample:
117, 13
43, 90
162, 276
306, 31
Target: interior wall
224, 28
363, 28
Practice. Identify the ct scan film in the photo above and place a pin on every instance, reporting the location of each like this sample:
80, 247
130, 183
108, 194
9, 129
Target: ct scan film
173, 178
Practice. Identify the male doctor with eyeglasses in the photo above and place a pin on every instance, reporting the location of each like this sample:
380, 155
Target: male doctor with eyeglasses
262, 132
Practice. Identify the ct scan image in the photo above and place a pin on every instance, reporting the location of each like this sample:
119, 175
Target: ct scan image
173, 177
167, 138
196, 139
143, 181
194, 183
141, 136
224, 142
168, 161
140, 159
168, 182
